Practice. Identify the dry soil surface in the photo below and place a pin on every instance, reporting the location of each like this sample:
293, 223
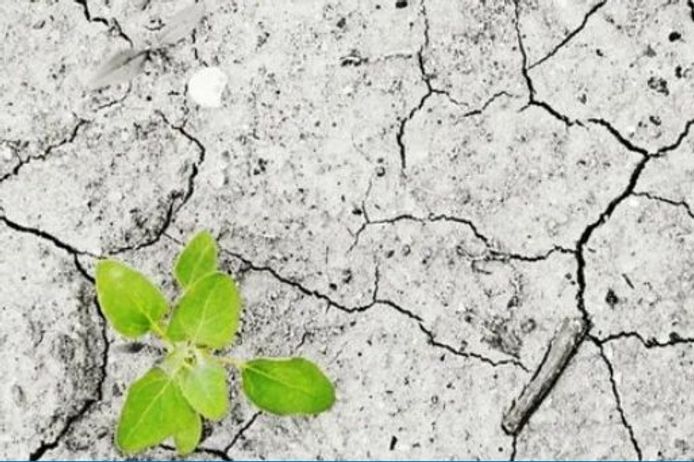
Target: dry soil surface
412, 193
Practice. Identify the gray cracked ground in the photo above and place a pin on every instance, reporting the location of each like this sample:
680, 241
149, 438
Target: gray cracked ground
414, 194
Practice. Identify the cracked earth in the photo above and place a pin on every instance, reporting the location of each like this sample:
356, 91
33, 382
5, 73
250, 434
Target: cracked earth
412, 193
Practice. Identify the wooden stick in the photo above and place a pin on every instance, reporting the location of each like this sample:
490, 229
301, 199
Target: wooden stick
561, 348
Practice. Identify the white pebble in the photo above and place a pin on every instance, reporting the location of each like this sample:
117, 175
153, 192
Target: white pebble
206, 86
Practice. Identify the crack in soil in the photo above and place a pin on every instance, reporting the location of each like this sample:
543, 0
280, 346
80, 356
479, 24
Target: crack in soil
678, 141
649, 343
618, 400
46, 446
431, 90
514, 448
588, 232
469, 354
222, 454
628, 191
682, 204
494, 253
532, 97
375, 301
201, 450
88, 404
74, 252
113, 25
241, 431
178, 199
116, 101
619, 137
88, 16
298, 286
570, 35
43, 156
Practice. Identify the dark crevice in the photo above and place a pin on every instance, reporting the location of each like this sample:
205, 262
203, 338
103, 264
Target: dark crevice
403, 125
570, 35
82, 270
468, 354
431, 90
407, 313
690, 4
113, 26
44, 155
89, 403
178, 199
159, 232
553, 112
619, 137
426, 79
514, 448
376, 301
494, 254
47, 237
532, 97
119, 32
300, 287
607, 213
88, 15
46, 446
682, 204
221, 455
618, 400
680, 138
524, 55
431, 339
115, 101
410, 217
423, 11
480, 110
241, 432
675, 339
588, 232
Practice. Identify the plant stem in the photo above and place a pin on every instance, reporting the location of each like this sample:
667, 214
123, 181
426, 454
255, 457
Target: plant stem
159, 332
237, 363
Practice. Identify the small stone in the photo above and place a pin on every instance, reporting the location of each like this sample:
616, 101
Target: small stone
206, 86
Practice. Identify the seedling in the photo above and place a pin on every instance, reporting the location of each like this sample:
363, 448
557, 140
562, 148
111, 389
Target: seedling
191, 382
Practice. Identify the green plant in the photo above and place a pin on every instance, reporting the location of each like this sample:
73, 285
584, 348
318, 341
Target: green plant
191, 381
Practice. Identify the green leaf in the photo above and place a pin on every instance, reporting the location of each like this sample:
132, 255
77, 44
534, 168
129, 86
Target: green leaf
198, 259
287, 386
188, 436
208, 313
128, 300
205, 387
154, 410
